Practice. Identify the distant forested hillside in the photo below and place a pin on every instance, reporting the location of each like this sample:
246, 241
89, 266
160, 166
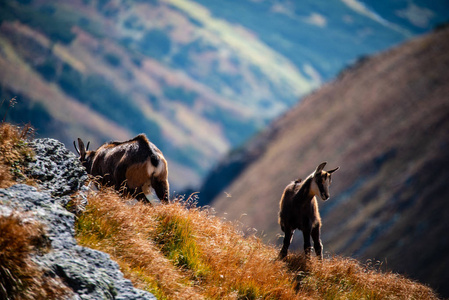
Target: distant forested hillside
198, 77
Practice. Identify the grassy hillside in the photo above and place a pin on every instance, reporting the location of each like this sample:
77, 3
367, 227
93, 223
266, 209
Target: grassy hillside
385, 123
179, 251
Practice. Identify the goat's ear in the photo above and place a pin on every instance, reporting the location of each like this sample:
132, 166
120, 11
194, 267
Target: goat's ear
82, 150
332, 171
320, 168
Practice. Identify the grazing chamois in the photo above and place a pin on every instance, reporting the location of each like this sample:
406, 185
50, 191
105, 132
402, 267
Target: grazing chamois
299, 209
136, 165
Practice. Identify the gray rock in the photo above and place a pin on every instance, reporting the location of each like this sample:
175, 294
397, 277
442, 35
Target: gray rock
56, 168
90, 274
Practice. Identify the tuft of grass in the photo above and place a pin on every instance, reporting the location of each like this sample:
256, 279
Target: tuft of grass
20, 277
14, 153
346, 278
176, 239
128, 233
180, 251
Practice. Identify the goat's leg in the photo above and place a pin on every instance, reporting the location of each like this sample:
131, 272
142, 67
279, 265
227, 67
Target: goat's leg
119, 177
307, 244
287, 240
147, 192
161, 188
317, 242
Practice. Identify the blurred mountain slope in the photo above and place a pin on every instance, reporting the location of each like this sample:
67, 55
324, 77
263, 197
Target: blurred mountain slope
385, 122
199, 78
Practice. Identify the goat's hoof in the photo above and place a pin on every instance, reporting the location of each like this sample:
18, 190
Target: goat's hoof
282, 255
308, 251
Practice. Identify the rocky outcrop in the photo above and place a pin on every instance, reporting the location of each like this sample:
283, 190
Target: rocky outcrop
90, 274
56, 168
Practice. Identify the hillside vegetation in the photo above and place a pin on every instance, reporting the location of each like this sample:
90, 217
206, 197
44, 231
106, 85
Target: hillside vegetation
20, 276
385, 122
14, 154
179, 251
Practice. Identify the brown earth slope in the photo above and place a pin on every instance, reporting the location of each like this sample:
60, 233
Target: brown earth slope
385, 122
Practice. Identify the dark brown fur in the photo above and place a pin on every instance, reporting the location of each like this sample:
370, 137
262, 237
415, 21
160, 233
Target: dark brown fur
299, 209
135, 165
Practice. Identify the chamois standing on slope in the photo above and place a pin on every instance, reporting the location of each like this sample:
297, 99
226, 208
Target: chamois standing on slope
137, 165
299, 209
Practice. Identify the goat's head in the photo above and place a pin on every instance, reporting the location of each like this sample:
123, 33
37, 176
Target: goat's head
86, 156
322, 180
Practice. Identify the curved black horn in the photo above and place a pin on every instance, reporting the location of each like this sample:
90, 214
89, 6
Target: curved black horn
87, 147
77, 151
333, 170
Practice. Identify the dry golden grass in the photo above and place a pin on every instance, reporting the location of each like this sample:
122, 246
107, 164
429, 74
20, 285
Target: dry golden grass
179, 251
346, 278
20, 277
14, 151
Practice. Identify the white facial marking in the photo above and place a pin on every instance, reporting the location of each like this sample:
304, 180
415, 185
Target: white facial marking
314, 188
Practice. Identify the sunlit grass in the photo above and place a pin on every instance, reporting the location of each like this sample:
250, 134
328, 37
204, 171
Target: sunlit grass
179, 251
346, 278
14, 153
20, 276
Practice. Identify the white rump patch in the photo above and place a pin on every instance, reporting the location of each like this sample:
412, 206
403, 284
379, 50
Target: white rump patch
160, 167
156, 170
150, 168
